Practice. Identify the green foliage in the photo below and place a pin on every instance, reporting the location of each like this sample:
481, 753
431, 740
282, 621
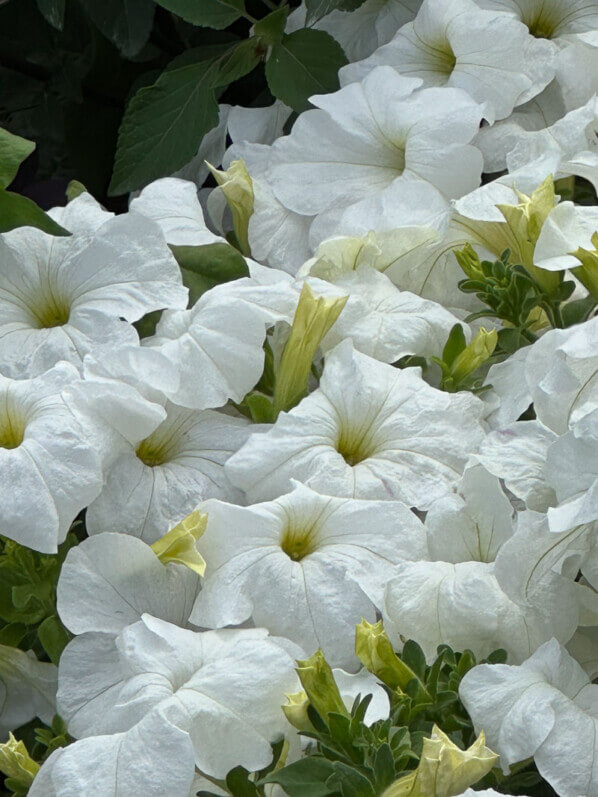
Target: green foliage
126, 23
303, 63
203, 267
208, 13
28, 616
316, 9
13, 151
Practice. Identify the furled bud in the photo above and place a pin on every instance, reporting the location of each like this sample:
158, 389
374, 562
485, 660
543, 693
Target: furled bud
479, 350
313, 318
296, 711
178, 544
237, 187
16, 763
469, 261
374, 651
318, 682
444, 769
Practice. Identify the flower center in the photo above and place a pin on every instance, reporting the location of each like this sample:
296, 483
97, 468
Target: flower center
298, 541
54, 311
157, 449
355, 445
12, 428
542, 22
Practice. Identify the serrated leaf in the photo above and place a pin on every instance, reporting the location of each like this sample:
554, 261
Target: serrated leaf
207, 13
271, 27
53, 12
304, 63
19, 211
316, 9
13, 151
126, 23
164, 123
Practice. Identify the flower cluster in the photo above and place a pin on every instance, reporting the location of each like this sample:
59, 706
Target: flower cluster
356, 379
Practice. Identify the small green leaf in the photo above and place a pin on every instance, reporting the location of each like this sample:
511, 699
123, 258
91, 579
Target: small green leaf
413, 656
304, 63
74, 189
316, 9
271, 27
351, 782
455, 344
304, 778
203, 267
238, 783
53, 636
19, 211
13, 151
53, 12
207, 13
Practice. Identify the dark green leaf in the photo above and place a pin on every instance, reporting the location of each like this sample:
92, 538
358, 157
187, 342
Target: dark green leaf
316, 9
53, 12
239, 785
351, 782
18, 211
219, 262
304, 63
413, 656
304, 778
239, 61
207, 13
384, 767
13, 151
126, 23
577, 311
12, 634
53, 636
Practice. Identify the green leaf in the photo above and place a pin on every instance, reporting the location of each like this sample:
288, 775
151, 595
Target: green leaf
207, 13
384, 767
74, 189
455, 344
413, 656
18, 211
13, 151
351, 782
238, 783
218, 262
316, 9
304, 63
126, 23
304, 778
271, 27
53, 12
53, 636
164, 123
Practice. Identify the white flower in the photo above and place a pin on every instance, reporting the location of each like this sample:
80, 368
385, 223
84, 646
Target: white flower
455, 43
161, 459
363, 683
567, 228
62, 296
49, 469
154, 758
292, 564
173, 204
27, 689
224, 688
546, 708
257, 125
550, 19
109, 581
369, 431
371, 136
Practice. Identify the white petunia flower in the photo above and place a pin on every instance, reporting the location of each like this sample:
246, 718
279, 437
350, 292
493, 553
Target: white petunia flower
27, 689
109, 581
567, 228
162, 459
62, 296
370, 137
292, 564
369, 431
455, 43
550, 19
546, 708
223, 688
49, 468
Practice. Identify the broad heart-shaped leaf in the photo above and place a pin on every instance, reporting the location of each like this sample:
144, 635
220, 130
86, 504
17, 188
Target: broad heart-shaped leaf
13, 151
316, 9
164, 123
53, 12
18, 211
304, 63
207, 13
127, 23
305, 778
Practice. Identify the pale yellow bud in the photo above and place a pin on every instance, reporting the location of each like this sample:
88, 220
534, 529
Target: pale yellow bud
374, 651
16, 763
237, 187
178, 544
479, 350
318, 681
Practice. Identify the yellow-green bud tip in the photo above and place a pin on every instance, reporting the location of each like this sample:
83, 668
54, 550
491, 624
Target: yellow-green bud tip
178, 544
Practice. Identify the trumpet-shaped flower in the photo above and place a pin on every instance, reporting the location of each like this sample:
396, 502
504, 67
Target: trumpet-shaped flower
223, 688
289, 565
61, 297
391, 436
49, 468
455, 43
372, 136
546, 708
551, 19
